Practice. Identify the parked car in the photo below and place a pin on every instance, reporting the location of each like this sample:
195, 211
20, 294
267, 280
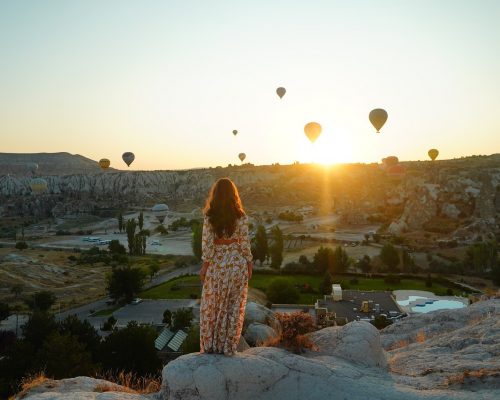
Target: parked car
136, 301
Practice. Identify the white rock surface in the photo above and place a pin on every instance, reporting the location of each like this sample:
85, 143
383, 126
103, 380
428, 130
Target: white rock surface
80, 388
256, 334
358, 342
255, 312
450, 354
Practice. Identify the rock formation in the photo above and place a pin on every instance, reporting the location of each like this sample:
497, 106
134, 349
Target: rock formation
456, 357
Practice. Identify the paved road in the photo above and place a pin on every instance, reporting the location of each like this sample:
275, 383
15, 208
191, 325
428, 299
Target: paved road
129, 312
84, 311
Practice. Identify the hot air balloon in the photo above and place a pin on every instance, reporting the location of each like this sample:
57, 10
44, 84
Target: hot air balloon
312, 130
242, 156
281, 92
104, 163
433, 153
390, 161
38, 185
377, 118
235, 132
128, 157
396, 172
32, 167
160, 211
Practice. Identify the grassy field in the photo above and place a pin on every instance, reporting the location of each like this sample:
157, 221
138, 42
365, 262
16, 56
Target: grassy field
176, 289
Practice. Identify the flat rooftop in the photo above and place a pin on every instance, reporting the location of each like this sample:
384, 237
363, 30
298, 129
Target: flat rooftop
352, 299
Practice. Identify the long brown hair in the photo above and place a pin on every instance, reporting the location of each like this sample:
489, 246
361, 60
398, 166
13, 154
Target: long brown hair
223, 207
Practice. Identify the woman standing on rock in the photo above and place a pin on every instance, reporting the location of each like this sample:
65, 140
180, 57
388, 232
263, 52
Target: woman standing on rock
226, 269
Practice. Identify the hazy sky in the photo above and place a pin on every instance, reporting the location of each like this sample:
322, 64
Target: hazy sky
170, 80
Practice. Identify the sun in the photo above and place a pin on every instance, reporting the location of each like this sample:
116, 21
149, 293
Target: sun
329, 149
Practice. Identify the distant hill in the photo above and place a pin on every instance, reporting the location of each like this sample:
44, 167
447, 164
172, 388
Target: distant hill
48, 164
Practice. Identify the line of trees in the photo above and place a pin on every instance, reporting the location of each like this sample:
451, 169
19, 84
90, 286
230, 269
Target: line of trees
71, 347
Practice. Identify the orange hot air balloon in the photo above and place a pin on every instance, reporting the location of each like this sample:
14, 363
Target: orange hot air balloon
378, 117
281, 92
312, 131
390, 161
104, 163
242, 156
433, 153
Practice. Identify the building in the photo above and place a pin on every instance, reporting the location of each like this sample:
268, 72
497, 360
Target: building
343, 306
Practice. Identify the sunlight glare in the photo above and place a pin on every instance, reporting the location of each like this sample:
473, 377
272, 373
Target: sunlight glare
330, 148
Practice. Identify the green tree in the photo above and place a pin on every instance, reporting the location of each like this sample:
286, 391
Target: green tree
495, 275
428, 281
15, 363
125, 283
408, 263
130, 228
120, 222
153, 270
140, 221
364, 264
341, 261
16, 290
167, 317
323, 259
182, 318
21, 245
197, 231
192, 342
39, 326
116, 247
63, 356
281, 291
482, 256
390, 257
81, 330
41, 301
4, 311
276, 249
336, 261
131, 349
261, 246
161, 230
326, 285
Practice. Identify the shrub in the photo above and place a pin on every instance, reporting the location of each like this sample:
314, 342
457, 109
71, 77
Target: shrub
21, 245
380, 322
449, 292
294, 327
282, 291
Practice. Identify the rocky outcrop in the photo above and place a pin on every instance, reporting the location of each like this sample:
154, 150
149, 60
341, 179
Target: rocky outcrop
358, 342
81, 388
451, 354
256, 334
459, 349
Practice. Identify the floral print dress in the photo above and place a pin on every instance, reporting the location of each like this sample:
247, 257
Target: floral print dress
224, 295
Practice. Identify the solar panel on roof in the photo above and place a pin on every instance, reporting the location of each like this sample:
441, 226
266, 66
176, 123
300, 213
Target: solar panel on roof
163, 338
176, 342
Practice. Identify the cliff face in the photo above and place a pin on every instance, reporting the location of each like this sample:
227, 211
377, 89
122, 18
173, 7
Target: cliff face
444, 197
450, 354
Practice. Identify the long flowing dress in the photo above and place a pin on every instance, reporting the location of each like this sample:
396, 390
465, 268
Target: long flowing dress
224, 295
